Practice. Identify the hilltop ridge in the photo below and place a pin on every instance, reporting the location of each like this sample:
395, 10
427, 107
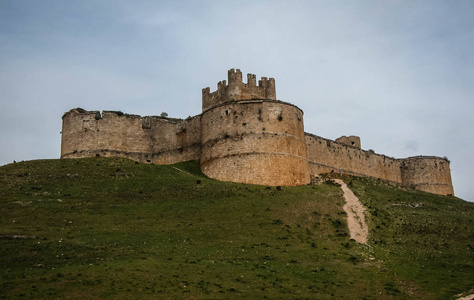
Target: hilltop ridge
111, 227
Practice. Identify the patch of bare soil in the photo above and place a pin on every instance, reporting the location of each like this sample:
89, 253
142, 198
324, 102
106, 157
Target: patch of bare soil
355, 215
468, 297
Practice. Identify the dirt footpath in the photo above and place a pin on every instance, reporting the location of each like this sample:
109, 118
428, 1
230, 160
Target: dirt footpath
355, 215
356, 222
469, 297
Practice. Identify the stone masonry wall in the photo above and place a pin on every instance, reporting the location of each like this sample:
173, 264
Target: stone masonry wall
326, 155
176, 141
146, 139
255, 141
427, 173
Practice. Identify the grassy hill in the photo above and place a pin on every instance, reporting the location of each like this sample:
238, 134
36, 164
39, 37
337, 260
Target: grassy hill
111, 228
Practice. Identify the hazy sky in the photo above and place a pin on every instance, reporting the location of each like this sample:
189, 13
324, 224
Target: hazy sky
399, 74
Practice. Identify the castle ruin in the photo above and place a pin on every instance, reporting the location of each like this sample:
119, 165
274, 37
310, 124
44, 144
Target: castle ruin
243, 135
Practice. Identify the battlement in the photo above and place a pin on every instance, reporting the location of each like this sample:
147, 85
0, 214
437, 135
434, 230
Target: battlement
238, 90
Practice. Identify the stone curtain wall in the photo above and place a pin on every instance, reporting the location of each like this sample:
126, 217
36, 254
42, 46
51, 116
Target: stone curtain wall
176, 141
88, 133
326, 155
146, 139
426, 173
255, 141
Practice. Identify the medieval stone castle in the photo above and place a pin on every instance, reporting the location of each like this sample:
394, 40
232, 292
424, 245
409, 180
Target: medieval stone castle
243, 135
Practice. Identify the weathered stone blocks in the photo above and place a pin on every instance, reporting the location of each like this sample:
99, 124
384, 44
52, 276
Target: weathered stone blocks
427, 173
255, 141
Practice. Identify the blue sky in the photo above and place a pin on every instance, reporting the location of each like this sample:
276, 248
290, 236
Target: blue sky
397, 73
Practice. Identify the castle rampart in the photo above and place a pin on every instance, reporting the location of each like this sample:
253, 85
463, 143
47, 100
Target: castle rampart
146, 139
427, 173
325, 155
243, 135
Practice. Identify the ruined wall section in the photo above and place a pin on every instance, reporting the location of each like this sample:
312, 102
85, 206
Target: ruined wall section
326, 155
237, 90
145, 139
175, 141
88, 133
351, 140
255, 141
427, 173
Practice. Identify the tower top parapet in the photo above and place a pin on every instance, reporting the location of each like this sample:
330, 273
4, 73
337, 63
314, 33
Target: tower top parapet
237, 90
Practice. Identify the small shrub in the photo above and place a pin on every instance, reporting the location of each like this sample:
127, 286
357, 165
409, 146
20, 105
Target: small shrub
277, 222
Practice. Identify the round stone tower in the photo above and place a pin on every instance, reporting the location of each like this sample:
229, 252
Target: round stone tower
427, 173
249, 137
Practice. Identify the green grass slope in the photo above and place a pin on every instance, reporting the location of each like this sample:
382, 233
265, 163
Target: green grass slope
110, 228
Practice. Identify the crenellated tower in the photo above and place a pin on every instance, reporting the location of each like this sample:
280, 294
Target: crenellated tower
237, 90
248, 136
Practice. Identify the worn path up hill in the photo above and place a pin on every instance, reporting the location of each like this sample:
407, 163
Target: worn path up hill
355, 215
